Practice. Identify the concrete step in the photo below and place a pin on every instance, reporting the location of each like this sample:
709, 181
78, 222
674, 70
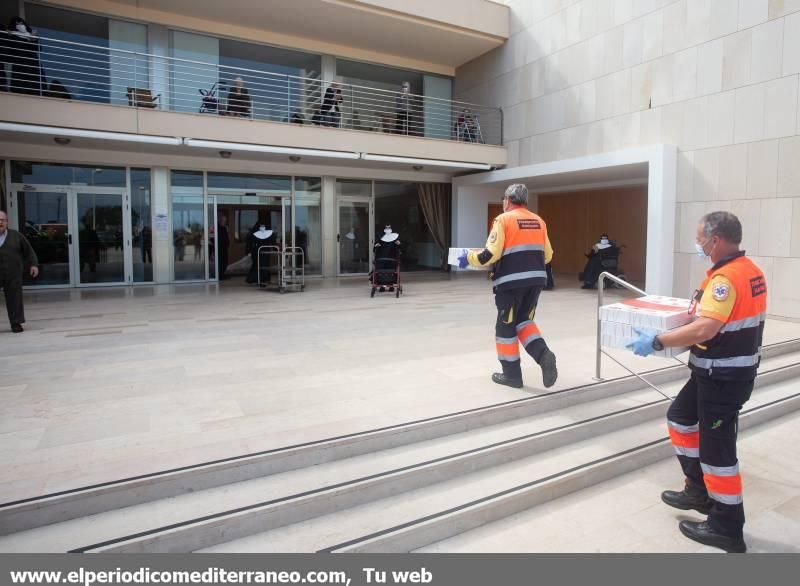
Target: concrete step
159, 487
626, 515
215, 516
414, 519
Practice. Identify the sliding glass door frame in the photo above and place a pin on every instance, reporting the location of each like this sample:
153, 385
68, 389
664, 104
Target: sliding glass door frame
72, 193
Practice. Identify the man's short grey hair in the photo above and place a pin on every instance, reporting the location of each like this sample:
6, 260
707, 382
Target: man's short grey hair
518, 194
723, 224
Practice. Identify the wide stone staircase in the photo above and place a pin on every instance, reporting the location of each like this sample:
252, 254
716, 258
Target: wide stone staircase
393, 489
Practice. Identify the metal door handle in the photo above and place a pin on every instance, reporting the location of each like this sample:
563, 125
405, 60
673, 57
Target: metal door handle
70, 238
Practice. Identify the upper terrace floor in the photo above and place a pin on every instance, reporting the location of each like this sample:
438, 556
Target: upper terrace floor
151, 68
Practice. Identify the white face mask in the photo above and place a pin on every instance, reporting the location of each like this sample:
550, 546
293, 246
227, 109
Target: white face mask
21, 28
604, 241
700, 249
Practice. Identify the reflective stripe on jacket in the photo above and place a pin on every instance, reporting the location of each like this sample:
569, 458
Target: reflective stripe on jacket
522, 263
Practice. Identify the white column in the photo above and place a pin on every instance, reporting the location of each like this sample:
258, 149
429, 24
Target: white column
471, 213
330, 245
162, 239
328, 66
158, 46
661, 194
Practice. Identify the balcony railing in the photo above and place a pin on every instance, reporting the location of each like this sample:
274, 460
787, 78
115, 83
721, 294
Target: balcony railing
82, 72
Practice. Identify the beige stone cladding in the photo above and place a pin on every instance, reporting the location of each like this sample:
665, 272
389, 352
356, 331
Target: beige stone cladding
717, 78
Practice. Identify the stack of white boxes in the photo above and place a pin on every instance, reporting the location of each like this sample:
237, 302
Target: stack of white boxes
653, 312
454, 253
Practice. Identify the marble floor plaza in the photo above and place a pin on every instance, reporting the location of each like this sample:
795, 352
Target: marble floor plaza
116, 382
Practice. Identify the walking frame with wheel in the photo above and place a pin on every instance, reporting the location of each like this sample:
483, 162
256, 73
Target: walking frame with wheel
265, 253
293, 269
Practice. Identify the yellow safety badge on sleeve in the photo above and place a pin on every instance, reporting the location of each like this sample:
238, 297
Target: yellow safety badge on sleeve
493, 237
720, 291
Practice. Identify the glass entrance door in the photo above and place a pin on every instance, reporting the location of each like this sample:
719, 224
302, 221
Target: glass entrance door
43, 217
81, 236
100, 251
354, 235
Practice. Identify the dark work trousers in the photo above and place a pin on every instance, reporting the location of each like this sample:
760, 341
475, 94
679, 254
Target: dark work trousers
12, 288
549, 269
516, 309
703, 423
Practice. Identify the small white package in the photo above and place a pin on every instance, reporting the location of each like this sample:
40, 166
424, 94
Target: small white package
454, 253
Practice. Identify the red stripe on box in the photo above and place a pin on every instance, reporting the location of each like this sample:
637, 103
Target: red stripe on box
649, 305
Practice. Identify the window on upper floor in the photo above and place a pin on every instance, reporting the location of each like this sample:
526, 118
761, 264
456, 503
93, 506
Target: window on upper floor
74, 57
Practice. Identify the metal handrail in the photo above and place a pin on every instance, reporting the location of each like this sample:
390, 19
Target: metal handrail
600, 299
103, 74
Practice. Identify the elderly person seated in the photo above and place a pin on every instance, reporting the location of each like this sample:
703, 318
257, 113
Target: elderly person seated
603, 248
239, 102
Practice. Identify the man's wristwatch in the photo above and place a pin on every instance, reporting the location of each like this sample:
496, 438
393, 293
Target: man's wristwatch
657, 345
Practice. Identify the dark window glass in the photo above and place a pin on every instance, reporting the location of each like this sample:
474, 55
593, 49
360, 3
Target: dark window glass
252, 182
279, 82
187, 179
82, 71
397, 205
62, 174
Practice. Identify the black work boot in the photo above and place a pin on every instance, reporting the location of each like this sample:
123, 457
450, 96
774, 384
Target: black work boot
687, 499
702, 532
502, 379
547, 362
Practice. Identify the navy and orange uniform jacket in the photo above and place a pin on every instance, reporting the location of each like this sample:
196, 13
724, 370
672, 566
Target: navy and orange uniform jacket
519, 248
735, 293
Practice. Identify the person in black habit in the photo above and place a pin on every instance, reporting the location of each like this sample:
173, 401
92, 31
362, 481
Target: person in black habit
20, 49
259, 236
223, 244
387, 255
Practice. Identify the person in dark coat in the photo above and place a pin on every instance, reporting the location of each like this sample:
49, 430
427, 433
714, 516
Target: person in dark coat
15, 254
223, 243
330, 111
20, 48
239, 101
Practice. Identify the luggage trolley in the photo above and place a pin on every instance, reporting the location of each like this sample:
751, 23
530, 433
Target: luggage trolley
266, 268
293, 269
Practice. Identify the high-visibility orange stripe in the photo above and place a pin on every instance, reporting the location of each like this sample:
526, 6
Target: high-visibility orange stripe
528, 330
723, 484
514, 236
684, 440
508, 349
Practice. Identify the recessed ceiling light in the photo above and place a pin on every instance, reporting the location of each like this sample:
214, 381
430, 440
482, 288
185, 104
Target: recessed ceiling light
63, 141
417, 167
225, 154
294, 158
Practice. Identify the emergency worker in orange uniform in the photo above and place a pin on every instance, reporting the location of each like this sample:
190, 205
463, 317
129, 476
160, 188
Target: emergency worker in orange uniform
725, 340
519, 248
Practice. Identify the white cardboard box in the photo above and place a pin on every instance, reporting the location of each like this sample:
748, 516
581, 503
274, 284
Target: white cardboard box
454, 253
618, 321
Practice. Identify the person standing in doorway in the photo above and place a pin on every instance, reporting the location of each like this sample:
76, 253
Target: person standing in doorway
703, 420
15, 254
519, 248
223, 243
402, 108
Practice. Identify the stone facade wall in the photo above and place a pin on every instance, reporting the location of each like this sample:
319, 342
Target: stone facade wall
717, 78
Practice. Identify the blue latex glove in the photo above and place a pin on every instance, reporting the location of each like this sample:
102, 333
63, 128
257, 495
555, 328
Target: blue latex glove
462, 261
643, 346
